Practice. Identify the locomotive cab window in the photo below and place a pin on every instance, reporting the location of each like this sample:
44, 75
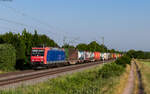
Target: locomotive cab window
37, 52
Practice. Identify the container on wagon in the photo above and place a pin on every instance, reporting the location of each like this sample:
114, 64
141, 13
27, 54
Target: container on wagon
110, 56
105, 56
72, 55
87, 56
81, 56
91, 56
102, 56
97, 56
114, 56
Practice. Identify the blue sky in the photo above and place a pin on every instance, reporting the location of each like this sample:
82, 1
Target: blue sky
125, 24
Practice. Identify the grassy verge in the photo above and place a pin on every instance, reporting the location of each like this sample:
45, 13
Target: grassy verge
122, 81
86, 82
144, 66
136, 82
99, 80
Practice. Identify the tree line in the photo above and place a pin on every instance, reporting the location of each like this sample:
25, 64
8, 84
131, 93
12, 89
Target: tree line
92, 46
138, 54
22, 44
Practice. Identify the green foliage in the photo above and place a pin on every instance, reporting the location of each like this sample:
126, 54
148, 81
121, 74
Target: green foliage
7, 57
25, 41
82, 47
132, 53
1, 39
112, 51
42, 40
23, 44
68, 46
110, 70
123, 60
116, 68
93, 46
86, 82
138, 54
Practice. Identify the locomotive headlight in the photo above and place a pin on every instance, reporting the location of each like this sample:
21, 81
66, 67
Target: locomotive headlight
32, 59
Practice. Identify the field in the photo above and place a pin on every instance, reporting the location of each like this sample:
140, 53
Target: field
144, 66
85, 82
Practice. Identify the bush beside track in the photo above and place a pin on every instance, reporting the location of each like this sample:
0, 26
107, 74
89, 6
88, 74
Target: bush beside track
7, 57
116, 68
100, 80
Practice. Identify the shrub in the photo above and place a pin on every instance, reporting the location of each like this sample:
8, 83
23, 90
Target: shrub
116, 68
123, 61
7, 57
110, 70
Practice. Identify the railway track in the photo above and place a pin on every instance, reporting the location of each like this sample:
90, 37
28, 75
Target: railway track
30, 75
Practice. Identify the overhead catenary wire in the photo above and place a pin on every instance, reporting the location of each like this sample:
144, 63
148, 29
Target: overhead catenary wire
10, 29
21, 24
14, 22
31, 17
50, 27
26, 15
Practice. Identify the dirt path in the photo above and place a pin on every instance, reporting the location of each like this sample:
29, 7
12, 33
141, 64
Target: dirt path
130, 85
131, 80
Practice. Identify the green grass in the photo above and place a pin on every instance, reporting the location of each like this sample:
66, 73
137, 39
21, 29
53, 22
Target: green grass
85, 82
144, 66
99, 80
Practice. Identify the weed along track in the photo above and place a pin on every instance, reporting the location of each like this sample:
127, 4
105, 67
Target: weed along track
31, 76
141, 88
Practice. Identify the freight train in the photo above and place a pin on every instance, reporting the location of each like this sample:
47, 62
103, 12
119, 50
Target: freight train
48, 56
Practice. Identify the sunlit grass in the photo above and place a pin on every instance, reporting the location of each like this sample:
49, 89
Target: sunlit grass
122, 81
145, 71
85, 82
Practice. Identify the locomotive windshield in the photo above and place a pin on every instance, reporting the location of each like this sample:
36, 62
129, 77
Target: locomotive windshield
37, 52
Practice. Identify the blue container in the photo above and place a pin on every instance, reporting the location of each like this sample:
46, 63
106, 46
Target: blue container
55, 56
